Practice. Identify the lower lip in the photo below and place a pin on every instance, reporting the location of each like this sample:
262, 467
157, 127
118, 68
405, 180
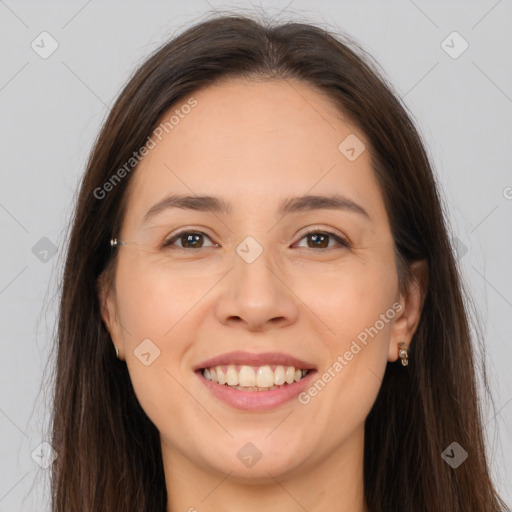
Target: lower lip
255, 401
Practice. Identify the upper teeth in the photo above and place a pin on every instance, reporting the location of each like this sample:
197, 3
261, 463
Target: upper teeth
250, 376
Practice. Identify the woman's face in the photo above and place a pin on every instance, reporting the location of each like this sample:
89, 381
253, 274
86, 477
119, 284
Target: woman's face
249, 291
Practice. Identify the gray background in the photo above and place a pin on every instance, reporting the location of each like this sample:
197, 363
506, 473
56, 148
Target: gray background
51, 110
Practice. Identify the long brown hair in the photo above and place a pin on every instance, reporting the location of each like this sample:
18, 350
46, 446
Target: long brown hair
109, 451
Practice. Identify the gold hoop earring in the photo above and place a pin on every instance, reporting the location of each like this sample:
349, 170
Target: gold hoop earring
117, 352
402, 354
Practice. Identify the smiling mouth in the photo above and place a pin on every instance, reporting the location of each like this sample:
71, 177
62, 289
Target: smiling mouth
254, 378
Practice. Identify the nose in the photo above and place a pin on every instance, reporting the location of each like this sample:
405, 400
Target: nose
257, 296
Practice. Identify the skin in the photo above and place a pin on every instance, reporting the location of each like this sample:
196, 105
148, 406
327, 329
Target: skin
254, 144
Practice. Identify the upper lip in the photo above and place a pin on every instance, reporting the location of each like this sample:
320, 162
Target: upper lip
251, 359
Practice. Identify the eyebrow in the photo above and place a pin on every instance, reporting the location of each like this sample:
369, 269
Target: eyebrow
290, 205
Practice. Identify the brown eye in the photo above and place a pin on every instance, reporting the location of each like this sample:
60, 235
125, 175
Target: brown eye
188, 240
321, 239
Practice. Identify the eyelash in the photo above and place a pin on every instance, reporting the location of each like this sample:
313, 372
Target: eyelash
341, 241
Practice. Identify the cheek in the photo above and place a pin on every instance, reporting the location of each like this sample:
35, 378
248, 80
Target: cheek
153, 308
352, 298
356, 308
355, 360
157, 310
153, 300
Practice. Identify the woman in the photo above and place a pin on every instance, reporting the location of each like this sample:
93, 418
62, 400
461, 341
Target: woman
260, 307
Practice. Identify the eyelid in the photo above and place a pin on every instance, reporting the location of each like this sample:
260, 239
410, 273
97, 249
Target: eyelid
340, 239
176, 236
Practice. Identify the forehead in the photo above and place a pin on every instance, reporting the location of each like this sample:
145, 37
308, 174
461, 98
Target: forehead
255, 142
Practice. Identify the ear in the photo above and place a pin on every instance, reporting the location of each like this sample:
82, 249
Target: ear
106, 297
409, 314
